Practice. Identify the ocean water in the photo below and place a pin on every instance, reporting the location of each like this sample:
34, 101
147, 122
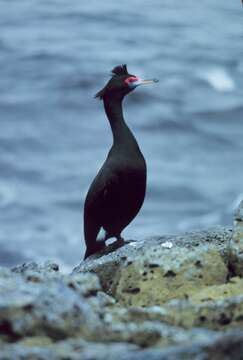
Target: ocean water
55, 55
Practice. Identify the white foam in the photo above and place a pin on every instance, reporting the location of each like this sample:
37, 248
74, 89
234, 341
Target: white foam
219, 79
167, 245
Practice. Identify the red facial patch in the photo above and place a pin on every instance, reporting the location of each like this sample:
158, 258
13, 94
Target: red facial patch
131, 79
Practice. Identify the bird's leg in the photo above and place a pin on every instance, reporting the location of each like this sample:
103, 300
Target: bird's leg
121, 241
94, 248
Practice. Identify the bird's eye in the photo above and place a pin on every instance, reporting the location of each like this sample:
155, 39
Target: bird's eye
131, 79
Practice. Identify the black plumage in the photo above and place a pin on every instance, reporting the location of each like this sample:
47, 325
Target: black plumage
117, 192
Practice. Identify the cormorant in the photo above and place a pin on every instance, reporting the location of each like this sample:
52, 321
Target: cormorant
117, 192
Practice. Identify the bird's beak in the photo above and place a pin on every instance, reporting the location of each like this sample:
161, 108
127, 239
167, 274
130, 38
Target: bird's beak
145, 82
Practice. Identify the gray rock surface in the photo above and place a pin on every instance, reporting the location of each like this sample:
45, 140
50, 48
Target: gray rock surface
170, 297
157, 270
236, 247
45, 303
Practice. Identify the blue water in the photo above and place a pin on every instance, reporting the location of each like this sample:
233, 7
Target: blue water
55, 55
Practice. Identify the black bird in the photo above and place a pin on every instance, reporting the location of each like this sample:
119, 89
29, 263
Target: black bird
117, 192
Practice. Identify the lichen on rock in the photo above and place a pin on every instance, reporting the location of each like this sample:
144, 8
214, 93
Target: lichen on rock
171, 297
151, 274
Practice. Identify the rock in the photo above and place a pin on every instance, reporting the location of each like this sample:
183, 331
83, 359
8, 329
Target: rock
159, 269
56, 306
236, 245
73, 349
225, 347
40, 269
61, 307
217, 314
229, 346
76, 351
171, 297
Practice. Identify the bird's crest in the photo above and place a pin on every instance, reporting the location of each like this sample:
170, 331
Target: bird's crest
117, 71
120, 70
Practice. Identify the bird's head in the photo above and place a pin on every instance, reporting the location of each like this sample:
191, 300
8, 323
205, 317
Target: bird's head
121, 84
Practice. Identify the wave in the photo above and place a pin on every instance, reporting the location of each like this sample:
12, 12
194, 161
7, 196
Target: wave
219, 79
7, 195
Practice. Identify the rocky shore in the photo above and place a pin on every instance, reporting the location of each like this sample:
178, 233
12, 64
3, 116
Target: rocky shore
168, 297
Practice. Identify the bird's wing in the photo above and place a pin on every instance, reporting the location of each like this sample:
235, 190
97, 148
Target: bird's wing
103, 188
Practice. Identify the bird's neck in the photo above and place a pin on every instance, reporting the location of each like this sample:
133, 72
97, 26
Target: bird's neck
122, 135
